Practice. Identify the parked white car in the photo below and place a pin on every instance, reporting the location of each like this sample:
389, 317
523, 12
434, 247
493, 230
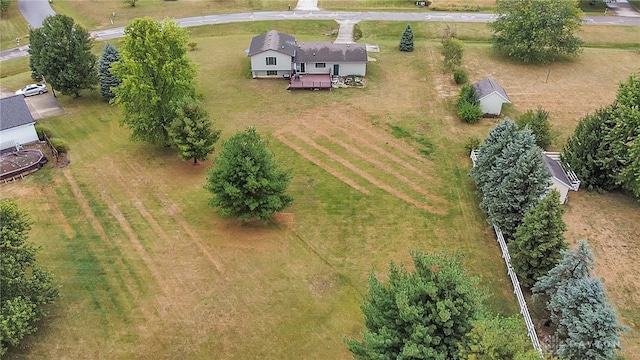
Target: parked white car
32, 89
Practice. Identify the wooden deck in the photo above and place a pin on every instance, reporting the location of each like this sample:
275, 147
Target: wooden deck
310, 81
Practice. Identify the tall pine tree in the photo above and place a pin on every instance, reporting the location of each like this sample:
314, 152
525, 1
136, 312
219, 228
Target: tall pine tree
191, 131
426, 314
537, 244
406, 42
107, 80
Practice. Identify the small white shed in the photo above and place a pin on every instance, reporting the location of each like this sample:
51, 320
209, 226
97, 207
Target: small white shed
491, 96
16, 123
563, 180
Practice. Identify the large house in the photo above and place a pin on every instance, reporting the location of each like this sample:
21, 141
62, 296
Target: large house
16, 123
274, 54
491, 96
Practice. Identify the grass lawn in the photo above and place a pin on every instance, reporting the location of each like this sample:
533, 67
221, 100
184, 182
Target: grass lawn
147, 267
12, 26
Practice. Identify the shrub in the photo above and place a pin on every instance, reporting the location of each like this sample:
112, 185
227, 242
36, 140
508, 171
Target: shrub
60, 145
192, 45
357, 32
460, 76
469, 113
452, 51
467, 95
41, 130
472, 143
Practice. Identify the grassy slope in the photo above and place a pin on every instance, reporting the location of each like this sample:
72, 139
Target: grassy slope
12, 26
131, 221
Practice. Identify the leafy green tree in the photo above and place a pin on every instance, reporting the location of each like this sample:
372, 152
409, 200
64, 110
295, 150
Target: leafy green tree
26, 288
538, 242
488, 152
538, 122
537, 31
4, 5
426, 314
468, 106
61, 52
107, 80
521, 178
452, 51
191, 131
588, 327
247, 182
155, 72
630, 175
406, 42
498, 338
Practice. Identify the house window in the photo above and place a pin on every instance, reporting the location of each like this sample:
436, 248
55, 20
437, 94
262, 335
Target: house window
271, 60
321, 65
272, 72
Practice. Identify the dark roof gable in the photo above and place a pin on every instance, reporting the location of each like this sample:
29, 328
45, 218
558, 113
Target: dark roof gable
487, 86
14, 112
273, 40
309, 52
557, 171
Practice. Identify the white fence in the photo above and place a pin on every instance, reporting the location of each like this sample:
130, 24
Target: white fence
524, 310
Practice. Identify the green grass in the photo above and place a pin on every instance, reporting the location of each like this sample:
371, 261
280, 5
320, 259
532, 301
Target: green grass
12, 26
128, 232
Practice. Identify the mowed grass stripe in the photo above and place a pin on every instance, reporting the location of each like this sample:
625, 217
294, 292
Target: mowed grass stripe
281, 136
93, 276
353, 149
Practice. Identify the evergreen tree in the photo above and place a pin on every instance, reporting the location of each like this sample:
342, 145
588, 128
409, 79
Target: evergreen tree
25, 287
521, 178
499, 137
155, 72
537, 31
588, 326
107, 80
538, 122
538, 242
191, 131
574, 265
61, 52
406, 42
426, 314
247, 182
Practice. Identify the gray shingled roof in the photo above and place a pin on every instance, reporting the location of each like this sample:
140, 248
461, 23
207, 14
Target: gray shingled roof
309, 52
557, 171
273, 40
14, 112
487, 86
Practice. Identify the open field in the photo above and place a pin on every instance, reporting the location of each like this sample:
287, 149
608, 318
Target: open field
12, 26
149, 270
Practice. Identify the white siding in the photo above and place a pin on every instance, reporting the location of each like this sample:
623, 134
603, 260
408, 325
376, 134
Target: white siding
359, 69
562, 189
259, 65
492, 104
23, 134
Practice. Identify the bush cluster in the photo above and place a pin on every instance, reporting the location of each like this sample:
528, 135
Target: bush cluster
468, 106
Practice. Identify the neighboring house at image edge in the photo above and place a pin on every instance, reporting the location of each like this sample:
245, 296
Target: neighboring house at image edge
491, 96
16, 123
275, 54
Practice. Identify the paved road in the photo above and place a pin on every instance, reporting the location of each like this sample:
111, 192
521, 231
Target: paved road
327, 15
35, 11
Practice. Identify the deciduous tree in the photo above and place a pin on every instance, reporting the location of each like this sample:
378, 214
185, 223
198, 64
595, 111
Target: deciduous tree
538, 122
25, 287
155, 72
191, 131
425, 314
538, 243
537, 31
406, 42
108, 81
497, 338
247, 182
61, 52
452, 51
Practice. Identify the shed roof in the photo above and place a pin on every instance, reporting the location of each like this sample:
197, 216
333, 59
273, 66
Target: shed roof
557, 171
328, 52
273, 40
14, 112
487, 86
